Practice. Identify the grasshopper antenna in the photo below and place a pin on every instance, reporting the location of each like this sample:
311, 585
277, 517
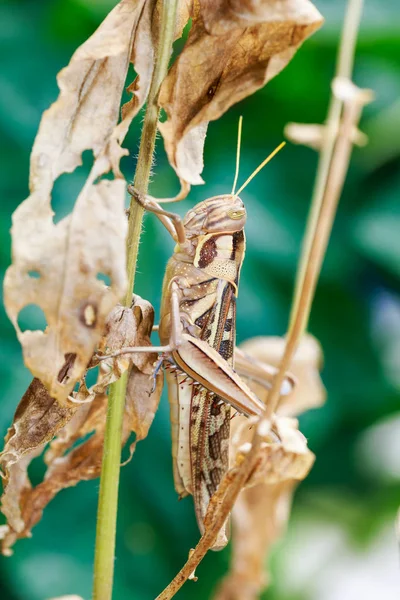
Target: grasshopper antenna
264, 162
239, 141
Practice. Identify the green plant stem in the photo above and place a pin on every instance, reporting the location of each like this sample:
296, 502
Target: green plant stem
108, 496
109, 480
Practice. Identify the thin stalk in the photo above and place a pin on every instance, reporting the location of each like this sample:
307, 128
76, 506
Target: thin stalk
334, 186
344, 68
317, 233
109, 480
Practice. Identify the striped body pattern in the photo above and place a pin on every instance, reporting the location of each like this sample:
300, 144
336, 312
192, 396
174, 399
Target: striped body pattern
206, 270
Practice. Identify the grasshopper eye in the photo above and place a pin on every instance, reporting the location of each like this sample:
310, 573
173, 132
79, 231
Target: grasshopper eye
236, 214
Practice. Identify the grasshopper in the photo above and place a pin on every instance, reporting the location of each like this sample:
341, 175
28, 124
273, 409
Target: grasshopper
197, 332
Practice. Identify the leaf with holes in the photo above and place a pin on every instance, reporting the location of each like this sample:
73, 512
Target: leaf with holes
60, 268
233, 49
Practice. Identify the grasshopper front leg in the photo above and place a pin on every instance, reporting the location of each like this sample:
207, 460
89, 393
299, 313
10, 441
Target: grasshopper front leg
171, 221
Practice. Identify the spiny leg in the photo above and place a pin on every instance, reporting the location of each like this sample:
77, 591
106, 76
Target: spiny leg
171, 221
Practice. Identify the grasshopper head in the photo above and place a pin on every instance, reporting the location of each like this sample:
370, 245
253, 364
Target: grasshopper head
225, 214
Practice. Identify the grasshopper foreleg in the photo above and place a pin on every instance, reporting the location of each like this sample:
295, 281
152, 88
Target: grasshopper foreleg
171, 221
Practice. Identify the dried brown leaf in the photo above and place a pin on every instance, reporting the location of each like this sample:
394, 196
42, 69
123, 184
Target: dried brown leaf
146, 40
233, 49
37, 420
284, 455
22, 504
68, 257
309, 391
124, 328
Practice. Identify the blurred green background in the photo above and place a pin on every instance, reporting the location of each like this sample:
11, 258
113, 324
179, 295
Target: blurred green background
341, 543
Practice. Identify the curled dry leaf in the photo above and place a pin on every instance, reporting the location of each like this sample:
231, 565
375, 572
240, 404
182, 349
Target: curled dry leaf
233, 49
143, 53
67, 464
262, 510
284, 455
309, 391
60, 266
37, 420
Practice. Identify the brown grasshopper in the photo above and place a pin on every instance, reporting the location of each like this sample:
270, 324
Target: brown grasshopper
197, 329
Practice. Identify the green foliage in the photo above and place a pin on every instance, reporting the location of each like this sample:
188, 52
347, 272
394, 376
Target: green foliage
361, 275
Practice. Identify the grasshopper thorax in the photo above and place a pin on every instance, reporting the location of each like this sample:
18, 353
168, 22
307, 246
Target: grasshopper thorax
225, 213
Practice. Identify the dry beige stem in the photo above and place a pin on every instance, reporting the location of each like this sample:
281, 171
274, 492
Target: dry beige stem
22, 505
309, 391
60, 267
233, 49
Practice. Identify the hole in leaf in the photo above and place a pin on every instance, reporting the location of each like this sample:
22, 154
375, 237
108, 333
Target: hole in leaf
104, 277
68, 187
34, 274
91, 376
32, 318
36, 470
80, 441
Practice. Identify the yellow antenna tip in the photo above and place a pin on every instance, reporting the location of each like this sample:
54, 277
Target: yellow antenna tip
261, 166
